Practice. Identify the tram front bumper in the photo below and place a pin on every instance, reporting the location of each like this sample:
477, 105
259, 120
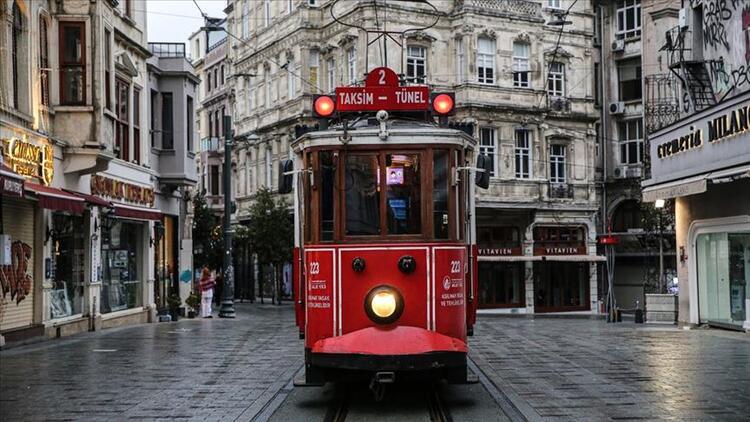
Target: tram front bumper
389, 349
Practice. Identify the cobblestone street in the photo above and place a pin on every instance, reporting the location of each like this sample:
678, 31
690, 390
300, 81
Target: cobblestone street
549, 368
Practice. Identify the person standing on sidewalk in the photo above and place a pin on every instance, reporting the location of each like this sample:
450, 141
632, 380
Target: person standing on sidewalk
207, 284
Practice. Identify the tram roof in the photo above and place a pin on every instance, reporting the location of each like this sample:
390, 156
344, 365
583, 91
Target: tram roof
400, 132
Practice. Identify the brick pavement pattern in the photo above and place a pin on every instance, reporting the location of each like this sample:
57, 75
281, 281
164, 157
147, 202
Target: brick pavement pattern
588, 370
200, 369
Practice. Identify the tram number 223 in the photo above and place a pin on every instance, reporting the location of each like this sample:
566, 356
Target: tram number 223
455, 267
314, 267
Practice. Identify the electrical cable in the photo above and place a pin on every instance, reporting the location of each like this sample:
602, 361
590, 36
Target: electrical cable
557, 46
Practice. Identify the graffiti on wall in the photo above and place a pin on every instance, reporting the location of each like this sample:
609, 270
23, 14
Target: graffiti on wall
15, 278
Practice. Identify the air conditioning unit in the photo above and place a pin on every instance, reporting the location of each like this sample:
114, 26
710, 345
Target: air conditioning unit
617, 107
682, 18
621, 172
618, 45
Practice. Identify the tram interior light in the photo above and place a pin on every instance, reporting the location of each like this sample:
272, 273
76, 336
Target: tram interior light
323, 106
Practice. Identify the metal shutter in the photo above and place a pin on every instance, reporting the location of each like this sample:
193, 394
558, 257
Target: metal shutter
18, 222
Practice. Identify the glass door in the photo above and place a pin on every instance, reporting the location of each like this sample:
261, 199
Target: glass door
723, 273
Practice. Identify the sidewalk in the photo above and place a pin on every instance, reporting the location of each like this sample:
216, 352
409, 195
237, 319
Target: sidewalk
580, 369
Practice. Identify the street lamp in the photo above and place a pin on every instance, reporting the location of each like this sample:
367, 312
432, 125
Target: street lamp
659, 205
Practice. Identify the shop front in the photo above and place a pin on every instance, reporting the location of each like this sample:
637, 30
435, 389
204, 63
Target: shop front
501, 268
562, 269
703, 163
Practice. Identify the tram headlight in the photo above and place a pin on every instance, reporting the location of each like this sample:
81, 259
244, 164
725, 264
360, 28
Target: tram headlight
384, 304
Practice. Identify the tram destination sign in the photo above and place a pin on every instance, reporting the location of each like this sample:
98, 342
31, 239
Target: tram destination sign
382, 92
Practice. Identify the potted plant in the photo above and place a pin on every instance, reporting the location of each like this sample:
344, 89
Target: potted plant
174, 302
193, 302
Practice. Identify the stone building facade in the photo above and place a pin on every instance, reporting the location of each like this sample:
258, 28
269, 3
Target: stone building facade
528, 99
82, 192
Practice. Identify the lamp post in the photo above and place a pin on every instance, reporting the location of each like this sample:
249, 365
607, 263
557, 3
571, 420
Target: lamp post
227, 291
659, 205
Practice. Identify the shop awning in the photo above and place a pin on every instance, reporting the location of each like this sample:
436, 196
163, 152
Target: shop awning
92, 199
56, 199
574, 258
508, 258
138, 213
11, 183
692, 185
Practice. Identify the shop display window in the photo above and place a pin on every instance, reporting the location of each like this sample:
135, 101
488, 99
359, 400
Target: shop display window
561, 286
501, 285
66, 266
121, 266
723, 261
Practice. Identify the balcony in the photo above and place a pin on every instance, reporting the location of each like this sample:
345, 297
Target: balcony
689, 67
560, 191
511, 8
167, 49
558, 104
211, 144
662, 105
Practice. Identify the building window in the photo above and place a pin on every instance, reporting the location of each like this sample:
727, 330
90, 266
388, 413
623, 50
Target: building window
216, 77
122, 285
269, 167
154, 97
136, 125
723, 276
630, 134
122, 141
245, 18
44, 68
331, 69
597, 82
291, 80
312, 2
523, 153
557, 163
556, 80
488, 147
416, 64
521, 64
627, 216
313, 68
628, 19
289, 6
72, 63
214, 180
107, 69
554, 4
167, 121
190, 118
17, 33
485, 61
267, 12
629, 79
351, 55
267, 78
460, 61
129, 8
222, 75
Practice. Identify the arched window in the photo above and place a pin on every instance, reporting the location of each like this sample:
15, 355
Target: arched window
627, 216
17, 33
44, 60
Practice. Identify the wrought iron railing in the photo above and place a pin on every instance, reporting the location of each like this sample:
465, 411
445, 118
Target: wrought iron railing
662, 105
560, 191
210, 143
530, 9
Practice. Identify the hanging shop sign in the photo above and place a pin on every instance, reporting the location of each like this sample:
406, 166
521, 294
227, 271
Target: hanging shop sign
29, 159
121, 191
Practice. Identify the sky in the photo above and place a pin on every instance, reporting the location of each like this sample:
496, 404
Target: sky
175, 20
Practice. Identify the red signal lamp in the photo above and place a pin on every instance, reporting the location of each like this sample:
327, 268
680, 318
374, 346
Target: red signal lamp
443, 104
323, 106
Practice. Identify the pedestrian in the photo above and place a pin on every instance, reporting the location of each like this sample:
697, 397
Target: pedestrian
207, 284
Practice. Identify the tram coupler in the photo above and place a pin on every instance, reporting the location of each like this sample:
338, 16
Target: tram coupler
385, 377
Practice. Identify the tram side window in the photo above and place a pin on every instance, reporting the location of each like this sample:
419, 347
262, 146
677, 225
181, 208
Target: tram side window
362, 187
403, 201
440, 194
327, 178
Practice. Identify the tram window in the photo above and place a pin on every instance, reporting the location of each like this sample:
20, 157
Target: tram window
327, 178
403, 203
362, 194
440, 194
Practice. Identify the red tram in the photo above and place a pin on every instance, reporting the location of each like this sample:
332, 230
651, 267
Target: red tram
385, 257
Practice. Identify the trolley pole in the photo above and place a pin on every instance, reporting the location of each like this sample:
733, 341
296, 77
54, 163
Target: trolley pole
227, 299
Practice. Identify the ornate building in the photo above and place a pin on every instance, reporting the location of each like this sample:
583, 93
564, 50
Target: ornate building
521, 72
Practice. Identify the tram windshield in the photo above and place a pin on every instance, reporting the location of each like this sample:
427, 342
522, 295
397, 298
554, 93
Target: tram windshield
367, 195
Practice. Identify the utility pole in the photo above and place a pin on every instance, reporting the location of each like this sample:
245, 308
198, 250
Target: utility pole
227, 300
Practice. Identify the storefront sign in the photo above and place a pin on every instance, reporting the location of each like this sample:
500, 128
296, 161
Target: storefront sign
500, 251
29, 159
12, 187
717, 138
560, 250
123, 191
682, 189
